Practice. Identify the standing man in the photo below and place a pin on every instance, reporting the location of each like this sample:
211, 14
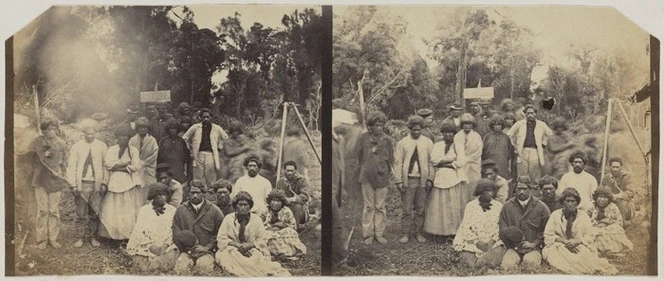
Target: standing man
88, 178
414, 175
455, 115
254, 184
148, 151
173, 152
375, 153
621, 186
430, 129
296, 189
204, 139
529, 134
202, 218
296, 150
481, 126
529, 215
130, 121
584, 183
48, 180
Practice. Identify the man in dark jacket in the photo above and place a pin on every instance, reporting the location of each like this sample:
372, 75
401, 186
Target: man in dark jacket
202, 218
530, 215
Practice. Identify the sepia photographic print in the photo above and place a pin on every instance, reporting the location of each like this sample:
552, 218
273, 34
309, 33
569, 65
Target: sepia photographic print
491, 140
165, 140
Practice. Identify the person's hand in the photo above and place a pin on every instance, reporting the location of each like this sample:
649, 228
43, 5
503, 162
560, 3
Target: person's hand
400, 187
528, 245
428, 186
75, 191
245, 247
483, 246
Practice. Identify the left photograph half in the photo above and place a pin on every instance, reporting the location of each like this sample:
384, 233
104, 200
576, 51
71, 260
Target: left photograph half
165, 140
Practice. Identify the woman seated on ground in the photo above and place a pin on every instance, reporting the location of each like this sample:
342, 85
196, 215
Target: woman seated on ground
477, 239
151, 243
569, 238
242, 242
607, 220
282, 238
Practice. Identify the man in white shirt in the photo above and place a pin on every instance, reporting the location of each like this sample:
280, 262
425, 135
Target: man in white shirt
253, 183
579, 179
88, 178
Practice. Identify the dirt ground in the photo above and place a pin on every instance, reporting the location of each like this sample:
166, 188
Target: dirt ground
109, 259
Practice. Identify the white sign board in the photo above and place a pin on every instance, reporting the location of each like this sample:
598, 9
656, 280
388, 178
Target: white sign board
155, 96
478, 93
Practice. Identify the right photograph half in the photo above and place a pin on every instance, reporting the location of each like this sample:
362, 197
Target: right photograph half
493, 140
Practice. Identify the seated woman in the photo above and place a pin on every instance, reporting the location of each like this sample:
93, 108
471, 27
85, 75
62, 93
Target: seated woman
607, 220
477, 239
569, 238
151, 243
283, 241
242, 242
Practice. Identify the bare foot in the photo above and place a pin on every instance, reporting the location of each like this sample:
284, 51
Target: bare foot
404, 239
95, 243
381, 240
55, 244
368, 241
78, 243
420, 238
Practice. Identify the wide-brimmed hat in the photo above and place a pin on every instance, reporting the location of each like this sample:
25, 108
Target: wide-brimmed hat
456, 106
424, 112
98, 116
132, 109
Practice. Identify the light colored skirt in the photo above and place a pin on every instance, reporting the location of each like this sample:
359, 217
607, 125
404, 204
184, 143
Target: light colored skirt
445, 208
611, 239
119, 212
256, 265
583, 262
285, 242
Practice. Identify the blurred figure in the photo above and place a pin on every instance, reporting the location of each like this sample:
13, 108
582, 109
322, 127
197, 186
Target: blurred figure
233, 152
558, 143
297, 150
430, 129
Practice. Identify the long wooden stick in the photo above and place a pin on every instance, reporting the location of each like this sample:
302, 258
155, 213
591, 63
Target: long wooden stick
606, 138
631, 130
306, 132
37, 111
281, 142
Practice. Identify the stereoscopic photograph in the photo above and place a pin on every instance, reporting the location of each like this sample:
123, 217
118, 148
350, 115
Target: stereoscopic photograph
165, 140
493, 140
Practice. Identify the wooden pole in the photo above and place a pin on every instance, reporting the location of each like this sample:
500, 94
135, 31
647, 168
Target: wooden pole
360, 91
37, 111
606, 138
306, 133
281, 142
631, 130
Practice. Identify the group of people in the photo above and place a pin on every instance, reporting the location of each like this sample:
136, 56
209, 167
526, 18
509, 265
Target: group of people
484, 184
162, 192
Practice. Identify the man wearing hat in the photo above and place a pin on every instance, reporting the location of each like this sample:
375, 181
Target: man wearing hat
481, 126
455, 114
203, 218
429, 127
130, 121
530, 215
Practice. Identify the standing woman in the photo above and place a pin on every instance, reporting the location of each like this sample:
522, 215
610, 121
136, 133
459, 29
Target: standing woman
120, 205
468, 146
174, 152
448, 198
48, 180
148, 152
